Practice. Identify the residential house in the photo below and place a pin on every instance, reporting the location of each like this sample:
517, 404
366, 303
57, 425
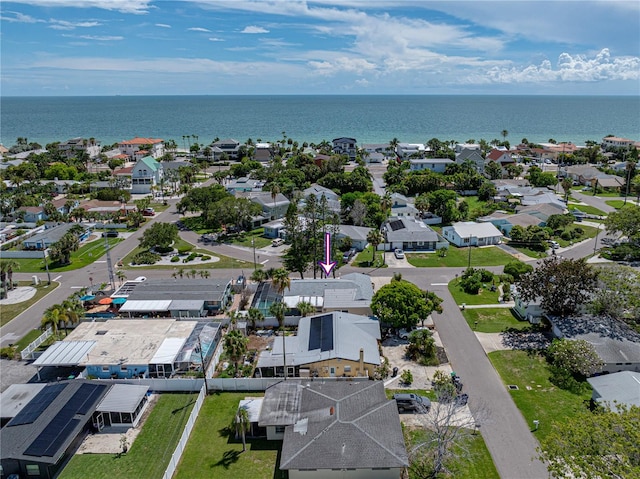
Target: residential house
135, 348
272, 208
402, 207
146, 176
264, 152
616, 343
166, 297
410, 150
274, 229
437, 165
72, 147
327, 345
333, 199
357, 234
470, 233
61, 186
228, 146
48, 429
33, 214
377, 152
505, 222
611, 142
526, 310
408, 234
335, 429
243, 185
617, 389
51, 235
543, 210
503, 158
472, 156
467, 146
345, 146
132, 147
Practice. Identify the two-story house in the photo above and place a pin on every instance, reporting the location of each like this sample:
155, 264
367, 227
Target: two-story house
146, 175
153, 146
74, 146
228, 146
345, 146
473, 156
437, 165
402, 207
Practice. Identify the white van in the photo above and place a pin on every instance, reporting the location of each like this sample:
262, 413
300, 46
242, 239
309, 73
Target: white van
277, 242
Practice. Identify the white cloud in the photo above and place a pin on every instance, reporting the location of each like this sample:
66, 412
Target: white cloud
162, 25
342, 64
569, 68
215, 39
20, 18
100, 38
65, 25
124, 6
254, 29
198, 29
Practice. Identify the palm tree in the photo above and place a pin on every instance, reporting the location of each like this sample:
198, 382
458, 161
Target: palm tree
235, 345
374, 238
51, 319
305, 308
72, 310
279, 310
254, 315
504, 134
121, 276
275, 190
566, 186
6, 276
258, 275
422, 203
242, 425
280, 280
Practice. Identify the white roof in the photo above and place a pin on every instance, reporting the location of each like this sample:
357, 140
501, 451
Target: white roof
253, 407
168, 351
16, 397
146, 305
65, 353
292, 301
122, 398
466, 229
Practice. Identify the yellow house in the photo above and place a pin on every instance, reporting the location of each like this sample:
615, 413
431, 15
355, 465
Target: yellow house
334, 344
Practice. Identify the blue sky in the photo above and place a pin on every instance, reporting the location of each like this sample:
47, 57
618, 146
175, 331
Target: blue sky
149, 47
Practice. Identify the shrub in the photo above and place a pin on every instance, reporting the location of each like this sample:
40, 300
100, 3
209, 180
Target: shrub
146, 257
472, 280
192, 256
8, 352
175, 259
163, 249
184, 249
566, 235
205, 258
406, 377
516, 269
485, 275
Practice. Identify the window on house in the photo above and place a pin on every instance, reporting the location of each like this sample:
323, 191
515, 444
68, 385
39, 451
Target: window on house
279, 429
33, 470
347, 369
105, 369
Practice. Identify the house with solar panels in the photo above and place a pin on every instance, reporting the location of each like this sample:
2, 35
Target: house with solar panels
50, 421
408, 234
335, 344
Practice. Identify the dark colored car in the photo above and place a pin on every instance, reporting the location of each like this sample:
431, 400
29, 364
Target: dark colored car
412, 402
110, 234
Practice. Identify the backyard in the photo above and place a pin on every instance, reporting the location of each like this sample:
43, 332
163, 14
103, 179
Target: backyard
485, 296
459, 257
213, 451
150, 453
536, 397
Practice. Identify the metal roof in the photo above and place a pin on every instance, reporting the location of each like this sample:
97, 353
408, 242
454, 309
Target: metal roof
133, 305
65, 353
168, 351
123, 398
617, 388
186, 304
16, 397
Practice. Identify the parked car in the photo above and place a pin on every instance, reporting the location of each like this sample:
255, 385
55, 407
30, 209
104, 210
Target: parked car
412, 402
277, 242
554, 244
346, 257
110, 234
148, 212
398, 253
404, 333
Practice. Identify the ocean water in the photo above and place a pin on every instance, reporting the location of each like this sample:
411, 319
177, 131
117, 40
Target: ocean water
368, 119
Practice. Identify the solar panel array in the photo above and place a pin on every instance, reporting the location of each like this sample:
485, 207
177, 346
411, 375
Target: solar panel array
54, 435
321, 333
396, 225
37, 405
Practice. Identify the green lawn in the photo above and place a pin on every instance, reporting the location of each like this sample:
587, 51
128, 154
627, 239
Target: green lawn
536, 397
589, 232
529, 252
617, 204
150, 453
10, 311
473, 460
213, 451
590, 210
363, 259
256, 235
493, 320
489, 256
85, 255
485, 296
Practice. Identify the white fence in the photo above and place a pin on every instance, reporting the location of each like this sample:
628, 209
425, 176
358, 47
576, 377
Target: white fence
27, 353
184, 439
23, 254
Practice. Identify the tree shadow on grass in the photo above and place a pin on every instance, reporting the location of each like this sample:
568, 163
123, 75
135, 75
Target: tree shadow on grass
228, 458
177, 410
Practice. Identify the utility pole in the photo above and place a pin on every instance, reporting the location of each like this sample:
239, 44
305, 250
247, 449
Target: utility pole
469, 262
253, 244
112, 279
46, 262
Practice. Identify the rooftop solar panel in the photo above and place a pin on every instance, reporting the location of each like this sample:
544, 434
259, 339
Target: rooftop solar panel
321, 333
396, 225
51, 438
85, 397
37, 405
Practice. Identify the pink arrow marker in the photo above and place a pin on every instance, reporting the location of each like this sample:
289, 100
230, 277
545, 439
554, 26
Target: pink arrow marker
327, 265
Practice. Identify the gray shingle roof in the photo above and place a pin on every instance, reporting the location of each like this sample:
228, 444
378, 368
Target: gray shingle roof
409, 230
179, 289
338, 425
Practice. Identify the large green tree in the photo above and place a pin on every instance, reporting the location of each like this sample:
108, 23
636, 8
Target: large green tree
625, 221
235, 346
561, 285
159, 235
401, 304
603, 443
617, 294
